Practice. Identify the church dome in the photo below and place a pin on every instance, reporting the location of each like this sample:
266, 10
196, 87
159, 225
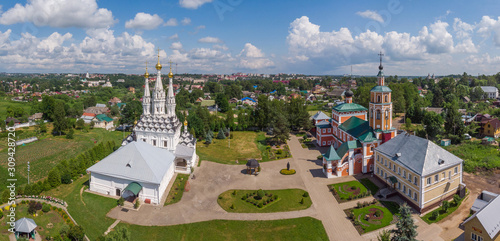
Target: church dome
349, 93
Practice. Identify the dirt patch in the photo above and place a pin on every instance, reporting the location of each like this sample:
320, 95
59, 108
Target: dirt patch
372, 214
352, 189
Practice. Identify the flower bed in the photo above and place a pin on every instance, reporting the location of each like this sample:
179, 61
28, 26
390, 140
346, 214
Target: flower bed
264, 201
369, 216
287, 172
347, 191
45, 198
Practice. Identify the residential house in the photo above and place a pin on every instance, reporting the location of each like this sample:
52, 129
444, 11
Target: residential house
35, 117
249, 101
120, 81
317, 89
233, 101
199, 100
482, 200
490, 127
103, 121
491, 92
131, 89
484, 225
421, 172
114, 101
9, 119
97, 110
87, 117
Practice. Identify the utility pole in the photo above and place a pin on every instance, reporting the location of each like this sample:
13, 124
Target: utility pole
229, 142
28, 172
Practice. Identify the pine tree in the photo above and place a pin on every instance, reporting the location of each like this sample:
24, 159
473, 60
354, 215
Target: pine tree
54, 177
209, 139
406, 230
221, 134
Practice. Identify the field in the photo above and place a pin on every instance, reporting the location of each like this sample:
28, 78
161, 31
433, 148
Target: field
6, 102
45, 153
243, 147
477, 157
288, 200
305, 228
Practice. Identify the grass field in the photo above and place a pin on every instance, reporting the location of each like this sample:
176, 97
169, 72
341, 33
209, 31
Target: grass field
345, 191
477, 157
371, 224
44, 154
41, 220
6, 102
288, 200
243, 147
305, 228
175, 193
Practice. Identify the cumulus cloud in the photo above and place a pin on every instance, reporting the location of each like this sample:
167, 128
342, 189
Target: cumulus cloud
252, 57
371, 15
193, 4
144, 21
209, 39
176, 45
489, 26
59, 13
186, 21
174, 37
172, 22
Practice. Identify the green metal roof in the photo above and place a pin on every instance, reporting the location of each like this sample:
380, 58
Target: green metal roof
346, 107
346, 146
359, 128
393, 179
104, 117
381, 88
134, 187
120, 105
331, 154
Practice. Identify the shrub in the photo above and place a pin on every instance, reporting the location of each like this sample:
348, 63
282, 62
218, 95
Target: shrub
244, 198
232, 206
220, 197
358, 205
120, 201
137, 204
1, 214
366, 204
374, 201
320, 157
434, 214
306, 194
275, 197
287, 172
234, 193
334, 191
301, 201
350, 215
38, 206
378, 213
456, 199
260, 205
260, 193
445, 205
45, 207
32, 208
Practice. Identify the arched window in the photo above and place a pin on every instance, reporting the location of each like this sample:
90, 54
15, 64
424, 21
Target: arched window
386, 98
386, 114
379, 99
378, 114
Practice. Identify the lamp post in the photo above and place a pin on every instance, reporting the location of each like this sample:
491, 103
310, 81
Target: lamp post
28, 172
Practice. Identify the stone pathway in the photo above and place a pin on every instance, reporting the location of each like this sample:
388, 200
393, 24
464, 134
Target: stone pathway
111, 227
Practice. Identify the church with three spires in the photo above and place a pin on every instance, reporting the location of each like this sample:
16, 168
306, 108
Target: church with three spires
353, 132
149, 157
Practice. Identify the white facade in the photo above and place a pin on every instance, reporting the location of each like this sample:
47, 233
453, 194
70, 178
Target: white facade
491, 92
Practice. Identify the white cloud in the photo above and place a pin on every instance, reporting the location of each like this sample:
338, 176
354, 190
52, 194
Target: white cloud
174, 37
186, 21
172, 22
252, 57
438, 39
371, 15
59, 13
176, 45
193, 4
144, 21
489, 26
209, 39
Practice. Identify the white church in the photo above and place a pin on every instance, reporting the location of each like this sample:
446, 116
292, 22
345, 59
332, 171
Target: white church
157, 148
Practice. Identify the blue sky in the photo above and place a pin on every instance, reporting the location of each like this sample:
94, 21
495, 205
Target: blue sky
227, 36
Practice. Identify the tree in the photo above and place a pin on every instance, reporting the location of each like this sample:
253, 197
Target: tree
438, 99
222, 102
131, 112
408, 123
385, 235
433, 123
453, 124
456, 199
59, 117
208, 139
54, 177
281, 129
406, 230
119, 234
221, 134
477, 94
70, 134
76, 233
80, 123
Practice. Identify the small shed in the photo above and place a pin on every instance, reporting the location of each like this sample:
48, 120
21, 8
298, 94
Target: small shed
488, 140
25, 227
445, 142
252, 164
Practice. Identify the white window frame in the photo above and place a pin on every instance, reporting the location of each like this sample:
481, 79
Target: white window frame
456, 170
429, 180
436, 178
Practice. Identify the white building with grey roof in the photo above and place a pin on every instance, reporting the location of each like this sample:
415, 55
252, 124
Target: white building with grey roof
484, 225
491, 92
423, 173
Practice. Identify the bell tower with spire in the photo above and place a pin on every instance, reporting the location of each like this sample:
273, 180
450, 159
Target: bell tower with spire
381, 107
146, 99
158, 105
170, 95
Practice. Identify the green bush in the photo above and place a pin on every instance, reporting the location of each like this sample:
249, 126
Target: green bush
120, 201
234, 193
301, 201
306, 194
137, 204
434, 214
260, 193
320, 157
275, 197
1, 214
232, 206
456, 199
45, 207
378, 213
445, 205
260, 205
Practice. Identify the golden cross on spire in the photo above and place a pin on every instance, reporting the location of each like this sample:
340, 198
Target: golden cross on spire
158, 65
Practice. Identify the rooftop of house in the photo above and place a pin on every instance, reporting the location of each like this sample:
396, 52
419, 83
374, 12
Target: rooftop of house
488, 217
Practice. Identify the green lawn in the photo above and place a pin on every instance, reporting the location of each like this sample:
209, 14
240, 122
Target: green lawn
370, 185
427, 217
243, 147
175, 193
371, 224
476, 156
305, 228
288, 200
46, 153
346, 191
42, 220
6, 102
89, 211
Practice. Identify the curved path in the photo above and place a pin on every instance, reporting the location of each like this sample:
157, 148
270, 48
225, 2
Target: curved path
200, 203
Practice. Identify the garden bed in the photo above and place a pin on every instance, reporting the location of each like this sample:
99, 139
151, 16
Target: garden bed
347, 191
175, 193
367, 217
264, 201
428, 218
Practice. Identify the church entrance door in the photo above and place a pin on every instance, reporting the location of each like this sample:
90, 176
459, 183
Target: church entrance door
118, 193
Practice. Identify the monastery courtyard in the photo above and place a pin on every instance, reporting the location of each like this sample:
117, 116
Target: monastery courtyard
200, 202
